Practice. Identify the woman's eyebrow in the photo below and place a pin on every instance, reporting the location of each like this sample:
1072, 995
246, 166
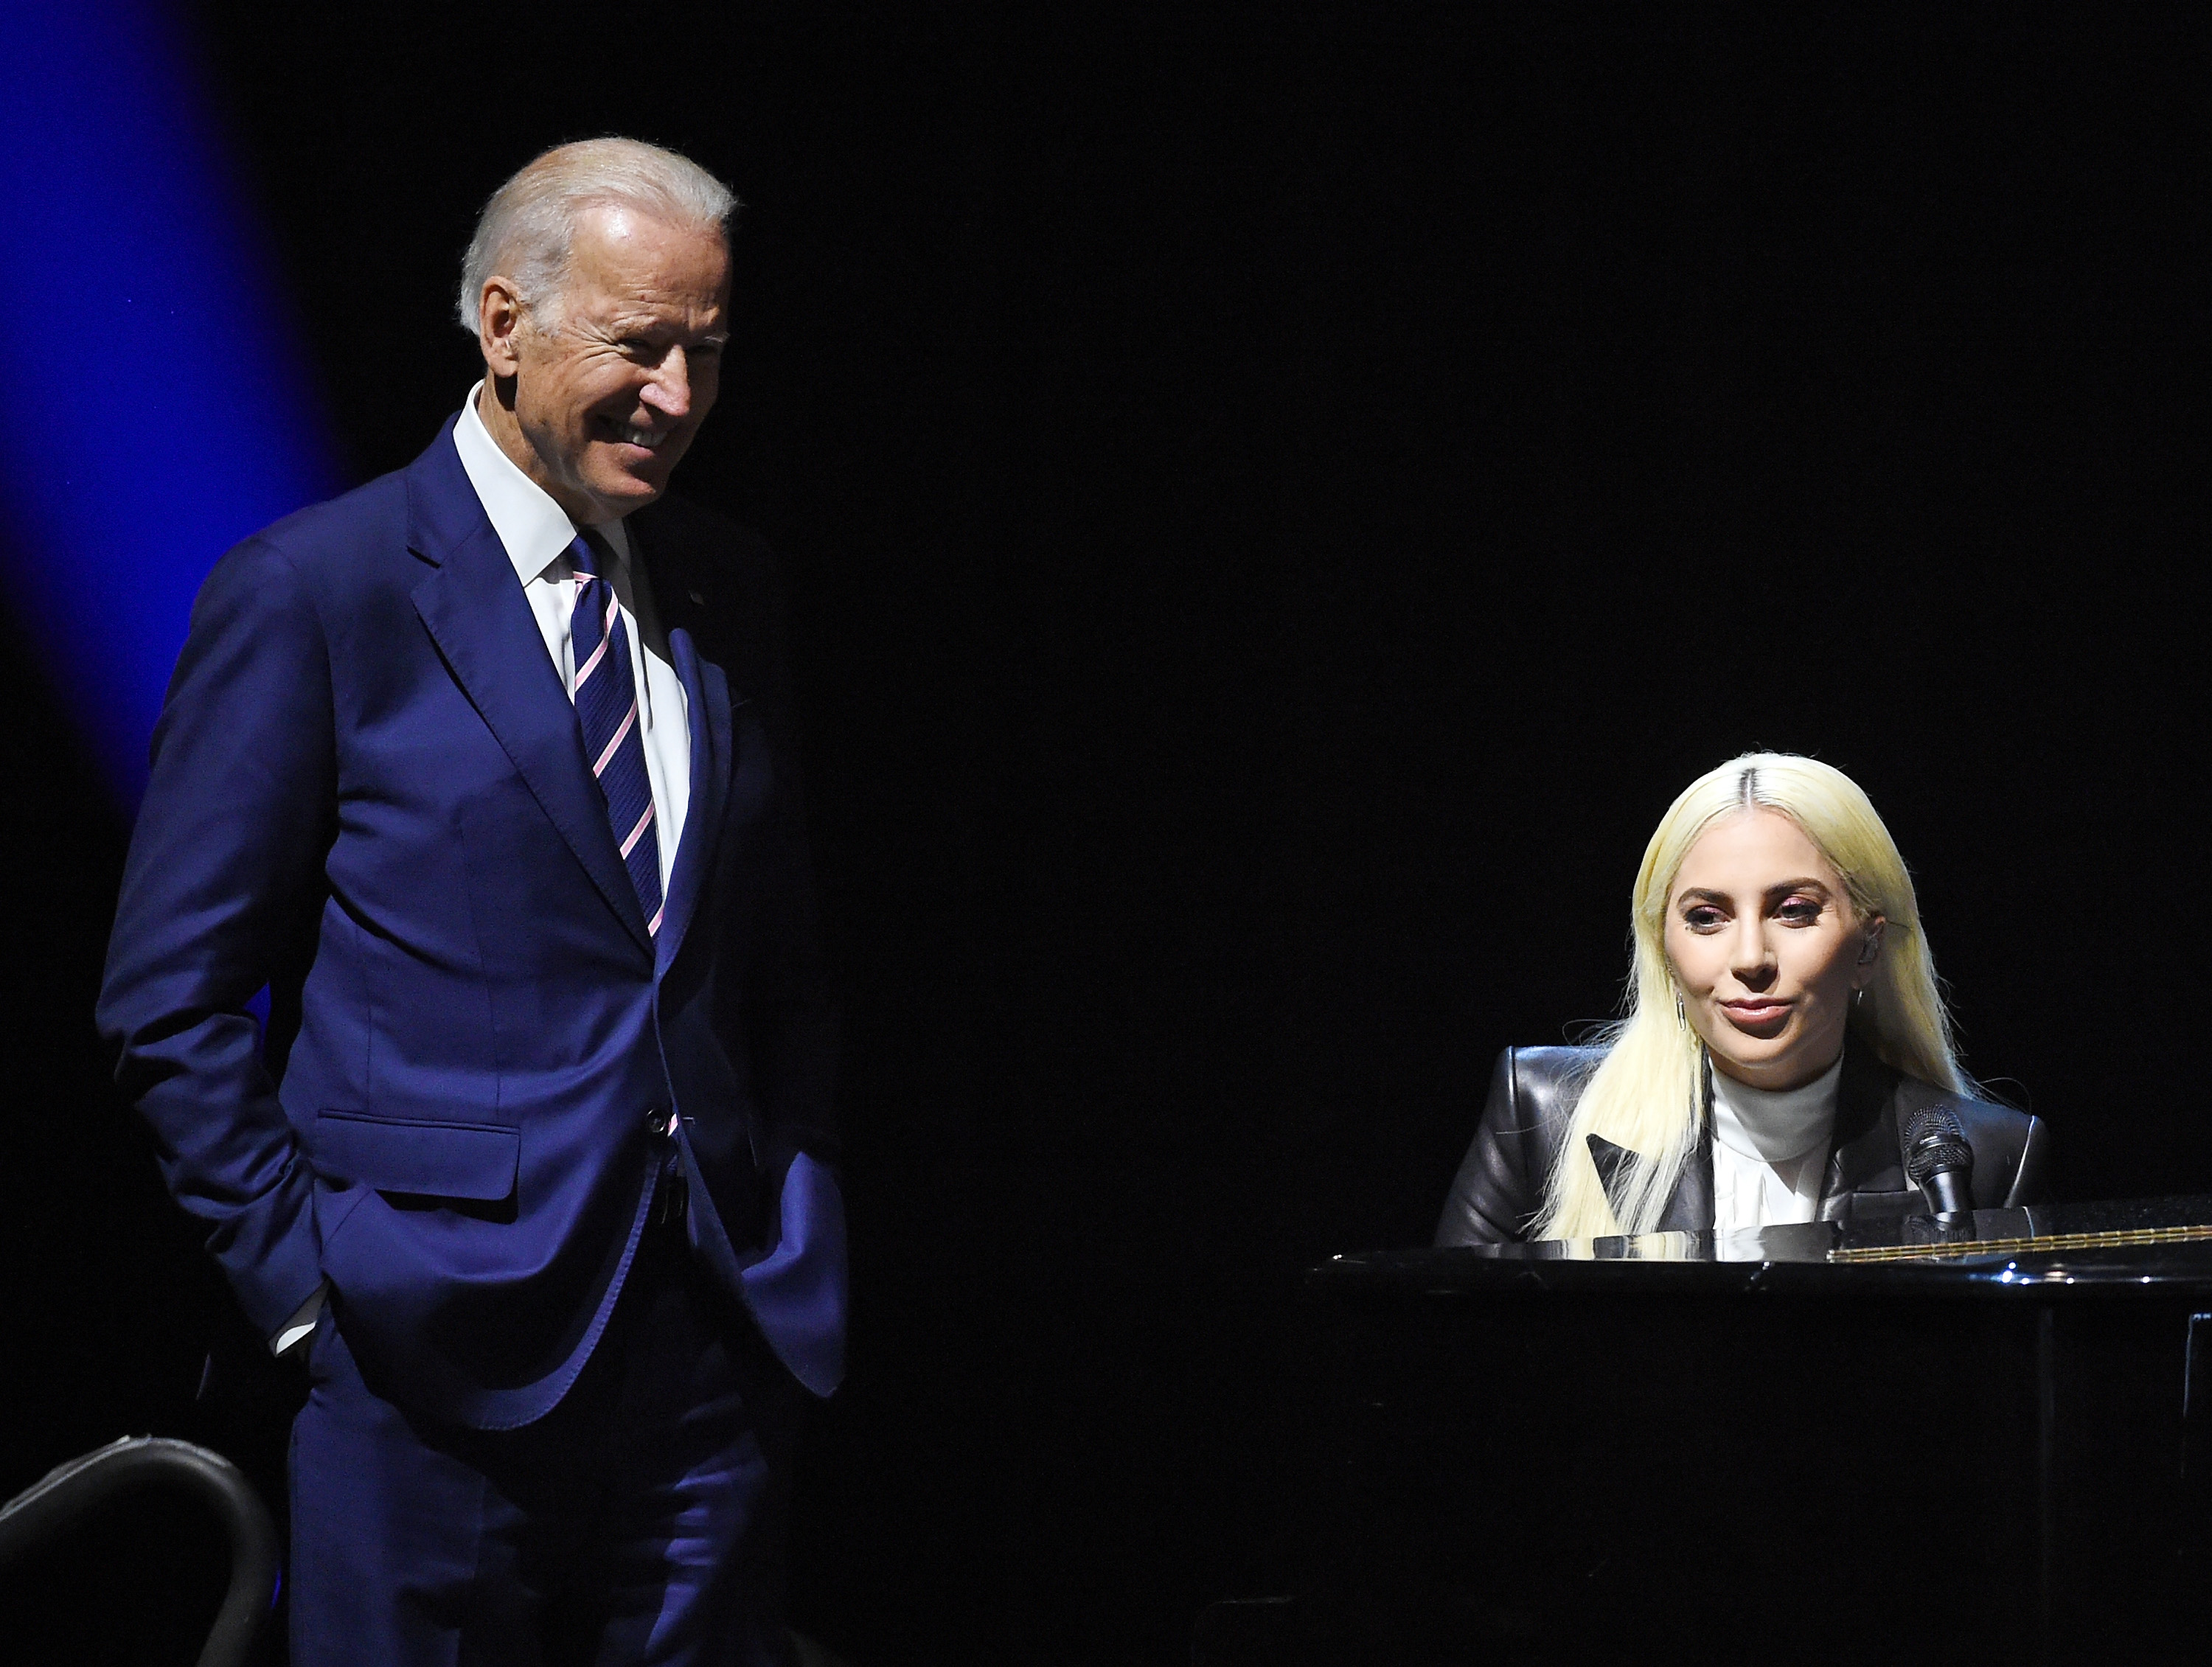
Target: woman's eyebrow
1806, 884
1699, 894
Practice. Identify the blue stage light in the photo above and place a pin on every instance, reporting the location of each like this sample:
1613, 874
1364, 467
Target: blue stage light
160, 407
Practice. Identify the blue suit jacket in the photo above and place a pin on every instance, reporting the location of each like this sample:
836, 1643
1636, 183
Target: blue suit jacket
369, 793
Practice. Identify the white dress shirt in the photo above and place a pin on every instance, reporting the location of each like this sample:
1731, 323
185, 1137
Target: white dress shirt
537, 533
1771, 1150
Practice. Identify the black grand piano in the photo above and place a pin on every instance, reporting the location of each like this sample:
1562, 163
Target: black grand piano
1913, 1440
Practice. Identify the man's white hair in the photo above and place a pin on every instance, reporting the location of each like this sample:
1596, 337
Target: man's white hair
526, 230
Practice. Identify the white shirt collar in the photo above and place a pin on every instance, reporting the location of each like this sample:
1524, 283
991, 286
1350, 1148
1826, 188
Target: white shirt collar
535, 531
1774, 1126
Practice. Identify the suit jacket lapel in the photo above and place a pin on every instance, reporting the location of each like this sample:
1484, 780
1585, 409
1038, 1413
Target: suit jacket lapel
708, 691
1612, 1163
1691, 1207
1866, 1154
481, 621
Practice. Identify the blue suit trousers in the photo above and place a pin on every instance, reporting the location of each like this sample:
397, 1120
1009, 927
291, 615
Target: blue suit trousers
641, 1521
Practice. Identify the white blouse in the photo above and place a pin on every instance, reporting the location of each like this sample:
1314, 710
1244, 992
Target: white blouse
1770, 1150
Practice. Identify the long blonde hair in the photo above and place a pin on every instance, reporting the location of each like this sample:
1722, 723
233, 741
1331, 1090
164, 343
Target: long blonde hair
1647, 1095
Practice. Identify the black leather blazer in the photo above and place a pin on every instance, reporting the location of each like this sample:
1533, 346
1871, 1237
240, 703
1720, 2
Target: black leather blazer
1500, 1184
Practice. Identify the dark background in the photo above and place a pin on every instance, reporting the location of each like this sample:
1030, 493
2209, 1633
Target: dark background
1276, 499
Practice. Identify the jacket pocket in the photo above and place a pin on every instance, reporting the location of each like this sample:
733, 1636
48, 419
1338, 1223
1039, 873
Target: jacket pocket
439, 1159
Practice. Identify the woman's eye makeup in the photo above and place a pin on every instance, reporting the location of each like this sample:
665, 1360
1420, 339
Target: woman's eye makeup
1701, 917
1800, 911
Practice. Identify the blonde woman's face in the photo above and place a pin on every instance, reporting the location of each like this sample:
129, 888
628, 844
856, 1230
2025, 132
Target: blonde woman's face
1766, 949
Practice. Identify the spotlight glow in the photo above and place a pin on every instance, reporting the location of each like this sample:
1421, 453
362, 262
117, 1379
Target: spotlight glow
162, 408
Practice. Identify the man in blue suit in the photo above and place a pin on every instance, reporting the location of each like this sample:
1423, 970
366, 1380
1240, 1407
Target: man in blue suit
484, 770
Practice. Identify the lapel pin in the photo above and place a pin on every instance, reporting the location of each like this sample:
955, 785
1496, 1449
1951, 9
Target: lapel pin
695, 597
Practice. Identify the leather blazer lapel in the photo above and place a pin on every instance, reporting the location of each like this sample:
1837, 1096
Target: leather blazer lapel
1865, 1154
707, 690
1612, 1163
478, 617
1691, 1207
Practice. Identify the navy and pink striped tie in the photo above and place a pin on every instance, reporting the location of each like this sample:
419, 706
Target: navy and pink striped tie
606, 708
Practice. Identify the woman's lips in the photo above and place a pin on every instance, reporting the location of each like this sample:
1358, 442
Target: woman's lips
1756, 1015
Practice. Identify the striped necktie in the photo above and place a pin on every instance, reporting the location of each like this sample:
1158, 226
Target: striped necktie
606, 709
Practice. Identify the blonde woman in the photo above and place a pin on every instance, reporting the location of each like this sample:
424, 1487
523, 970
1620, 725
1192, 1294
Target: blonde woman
1783, 1026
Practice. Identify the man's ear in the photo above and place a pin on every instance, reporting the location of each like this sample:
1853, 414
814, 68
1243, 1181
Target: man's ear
499, 323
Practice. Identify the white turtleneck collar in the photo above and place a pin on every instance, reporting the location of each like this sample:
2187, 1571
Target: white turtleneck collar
1771, 1148
1774, 1125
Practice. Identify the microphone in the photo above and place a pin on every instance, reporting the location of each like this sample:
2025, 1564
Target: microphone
1939, 1160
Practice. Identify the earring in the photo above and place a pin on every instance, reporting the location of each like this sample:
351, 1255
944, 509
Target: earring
1681, 1018
1858, 996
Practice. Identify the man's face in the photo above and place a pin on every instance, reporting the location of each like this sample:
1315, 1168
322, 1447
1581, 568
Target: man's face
601, 388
